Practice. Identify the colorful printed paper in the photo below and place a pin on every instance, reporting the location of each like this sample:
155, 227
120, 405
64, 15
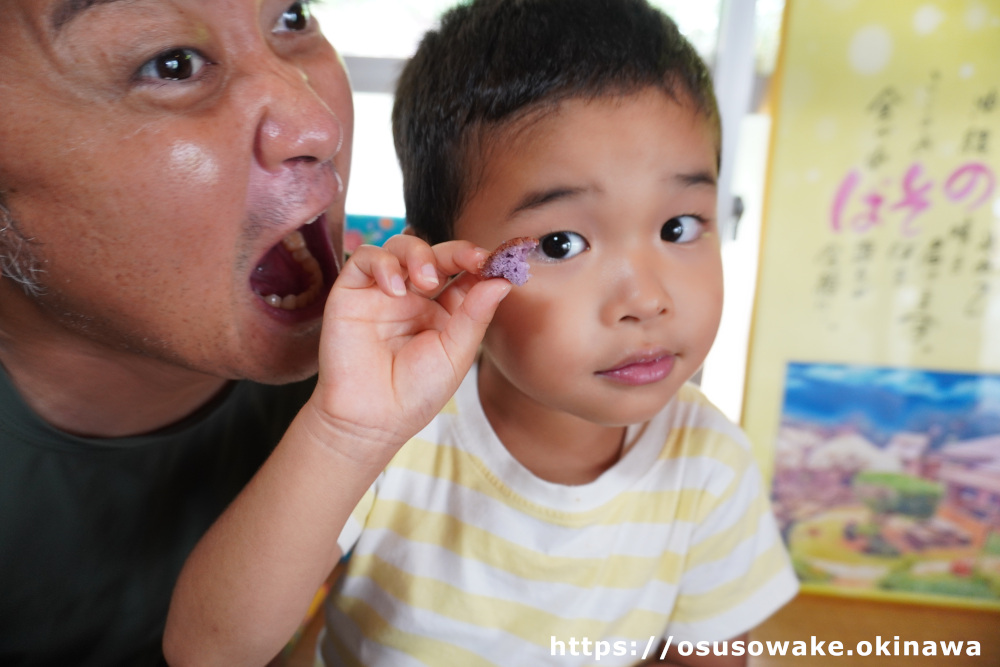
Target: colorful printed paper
370, 229
874, 368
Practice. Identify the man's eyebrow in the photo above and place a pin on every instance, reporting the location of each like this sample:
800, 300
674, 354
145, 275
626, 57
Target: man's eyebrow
539, 198
67, 10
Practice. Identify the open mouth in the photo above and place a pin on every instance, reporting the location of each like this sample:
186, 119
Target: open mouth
297, 272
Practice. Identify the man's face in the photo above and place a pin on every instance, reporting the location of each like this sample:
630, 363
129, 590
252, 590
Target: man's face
158, 155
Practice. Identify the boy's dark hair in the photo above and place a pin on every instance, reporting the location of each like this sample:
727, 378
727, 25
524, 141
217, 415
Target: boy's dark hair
493, 61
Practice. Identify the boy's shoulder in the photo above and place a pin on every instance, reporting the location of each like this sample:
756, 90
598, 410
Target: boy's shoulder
696, 427
692, 409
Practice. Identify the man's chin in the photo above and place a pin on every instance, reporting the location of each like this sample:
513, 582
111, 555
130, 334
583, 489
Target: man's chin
292, 365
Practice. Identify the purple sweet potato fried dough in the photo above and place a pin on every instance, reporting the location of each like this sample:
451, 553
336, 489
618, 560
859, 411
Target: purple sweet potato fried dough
510, 260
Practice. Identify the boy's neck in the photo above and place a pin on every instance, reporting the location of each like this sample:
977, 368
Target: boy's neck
555, 446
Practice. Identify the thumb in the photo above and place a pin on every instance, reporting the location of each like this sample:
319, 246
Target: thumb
467, 325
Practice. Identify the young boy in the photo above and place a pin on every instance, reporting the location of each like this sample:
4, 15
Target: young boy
575, 501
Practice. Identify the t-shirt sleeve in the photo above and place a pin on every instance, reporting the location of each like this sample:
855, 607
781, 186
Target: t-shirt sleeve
737, 571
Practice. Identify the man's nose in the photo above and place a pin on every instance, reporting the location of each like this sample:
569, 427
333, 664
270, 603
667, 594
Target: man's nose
296, 123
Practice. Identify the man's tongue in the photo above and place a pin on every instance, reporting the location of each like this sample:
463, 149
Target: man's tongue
288, 276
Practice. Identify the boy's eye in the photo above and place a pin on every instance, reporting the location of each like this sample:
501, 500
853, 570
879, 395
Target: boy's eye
295, 18
562, 245
682, 229
173, 65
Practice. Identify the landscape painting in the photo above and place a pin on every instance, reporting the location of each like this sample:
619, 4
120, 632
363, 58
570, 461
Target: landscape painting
887, 482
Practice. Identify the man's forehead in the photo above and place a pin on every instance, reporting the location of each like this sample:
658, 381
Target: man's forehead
48, 16
64, 11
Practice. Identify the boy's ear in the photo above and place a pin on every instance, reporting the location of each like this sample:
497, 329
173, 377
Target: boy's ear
408, 230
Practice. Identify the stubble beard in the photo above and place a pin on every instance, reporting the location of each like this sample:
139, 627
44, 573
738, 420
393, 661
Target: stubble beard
19, 261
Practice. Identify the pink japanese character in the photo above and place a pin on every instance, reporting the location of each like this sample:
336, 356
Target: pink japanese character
965, 179
860, 222
914, 198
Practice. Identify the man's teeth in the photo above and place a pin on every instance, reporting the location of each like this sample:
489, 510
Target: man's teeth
295, 243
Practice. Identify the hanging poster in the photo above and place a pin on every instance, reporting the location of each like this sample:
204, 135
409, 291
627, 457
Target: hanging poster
873, 380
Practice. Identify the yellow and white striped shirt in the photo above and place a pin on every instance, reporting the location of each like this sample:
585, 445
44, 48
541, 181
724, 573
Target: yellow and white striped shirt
463, 557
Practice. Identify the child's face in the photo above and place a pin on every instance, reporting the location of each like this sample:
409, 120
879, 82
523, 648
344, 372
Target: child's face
625, 305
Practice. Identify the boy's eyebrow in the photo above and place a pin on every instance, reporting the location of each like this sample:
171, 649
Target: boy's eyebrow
67, 10
538, 198
697, 178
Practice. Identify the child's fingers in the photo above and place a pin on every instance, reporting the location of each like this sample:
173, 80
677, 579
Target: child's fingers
467, 324
418, 260
456, 256
429, 266
407, 257
372, 264
452, 296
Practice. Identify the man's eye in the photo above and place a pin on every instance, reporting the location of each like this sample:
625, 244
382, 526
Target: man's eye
682, 229
173, 65
562, 245
295, 18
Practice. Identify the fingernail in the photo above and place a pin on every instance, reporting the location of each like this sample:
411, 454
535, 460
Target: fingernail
429, 272
397, 285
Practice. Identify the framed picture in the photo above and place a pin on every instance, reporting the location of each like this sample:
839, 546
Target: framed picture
887, 480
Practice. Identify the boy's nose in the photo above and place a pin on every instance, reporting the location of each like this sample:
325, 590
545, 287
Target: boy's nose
296, 123
640, 291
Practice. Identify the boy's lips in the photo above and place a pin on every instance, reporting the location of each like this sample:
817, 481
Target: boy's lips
641, 369
297, 272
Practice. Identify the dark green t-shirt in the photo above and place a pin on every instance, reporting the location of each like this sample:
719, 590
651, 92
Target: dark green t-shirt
93, 533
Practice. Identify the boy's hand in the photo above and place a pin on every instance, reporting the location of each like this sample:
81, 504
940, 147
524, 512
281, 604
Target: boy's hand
398, 339
395, 345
